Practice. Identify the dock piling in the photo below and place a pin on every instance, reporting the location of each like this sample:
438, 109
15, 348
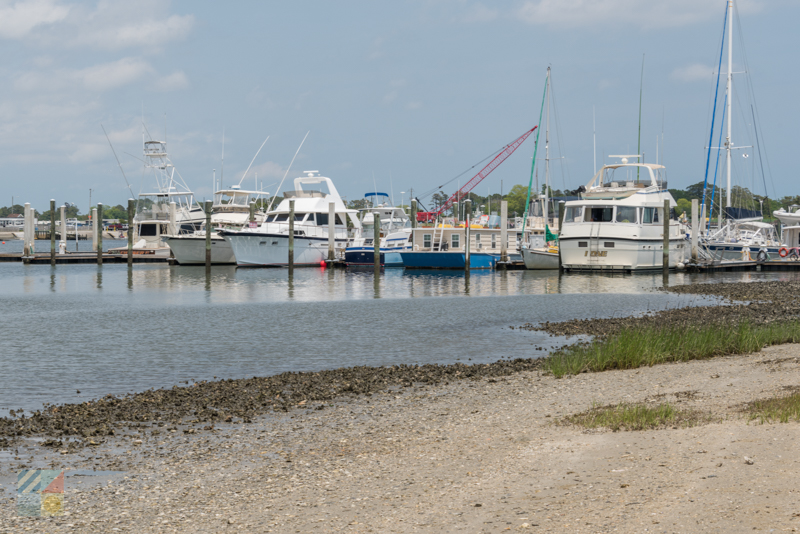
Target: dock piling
130, 231
207, 209
252, 212
561, 209
100, 234
504, 231
332, 231
94, 229
467, 214
665, 247
695, 229
27, 230
53, 232
376, 243
173, 219
291, 237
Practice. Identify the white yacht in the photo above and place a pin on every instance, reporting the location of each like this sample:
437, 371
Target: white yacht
230, 210
618, 223
268, 245
394, 232
154, 213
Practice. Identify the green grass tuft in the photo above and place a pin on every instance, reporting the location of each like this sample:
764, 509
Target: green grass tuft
633, 348
776, 409
627, 416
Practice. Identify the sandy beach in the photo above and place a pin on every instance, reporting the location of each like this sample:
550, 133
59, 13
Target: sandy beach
483, 455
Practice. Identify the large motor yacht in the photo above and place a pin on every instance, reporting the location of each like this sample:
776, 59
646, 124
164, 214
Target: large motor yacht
618, 224
268, 245
230, 210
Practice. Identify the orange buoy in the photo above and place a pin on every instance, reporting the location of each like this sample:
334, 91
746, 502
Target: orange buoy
783, 252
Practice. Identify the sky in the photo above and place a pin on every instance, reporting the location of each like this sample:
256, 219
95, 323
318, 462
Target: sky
396, 95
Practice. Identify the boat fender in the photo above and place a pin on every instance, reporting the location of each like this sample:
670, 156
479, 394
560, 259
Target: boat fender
762, 256
783, 252
793, 254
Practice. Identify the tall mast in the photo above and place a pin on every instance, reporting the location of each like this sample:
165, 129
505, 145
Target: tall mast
547, 152
728, 141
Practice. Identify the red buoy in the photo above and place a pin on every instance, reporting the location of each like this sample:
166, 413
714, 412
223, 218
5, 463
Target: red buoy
322, 264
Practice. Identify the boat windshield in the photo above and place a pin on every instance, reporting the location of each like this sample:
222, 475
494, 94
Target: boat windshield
573, 214
232, 198
598, 214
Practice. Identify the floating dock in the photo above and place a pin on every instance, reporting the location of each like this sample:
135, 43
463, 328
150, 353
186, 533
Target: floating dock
43, 258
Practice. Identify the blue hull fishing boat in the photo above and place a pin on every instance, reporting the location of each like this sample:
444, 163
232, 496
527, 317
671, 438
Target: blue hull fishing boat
415, 259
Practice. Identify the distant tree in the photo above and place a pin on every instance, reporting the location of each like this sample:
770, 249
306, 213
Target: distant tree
684, 206
516, 199
358, 204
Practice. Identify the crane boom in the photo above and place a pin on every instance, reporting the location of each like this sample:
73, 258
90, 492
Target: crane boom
478, 178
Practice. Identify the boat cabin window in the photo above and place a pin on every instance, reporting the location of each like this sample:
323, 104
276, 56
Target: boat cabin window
426, 241
298, 217
598, 214
626, 214
650, 216
322, 219
281, 217
455, 241
148, 230
573, 214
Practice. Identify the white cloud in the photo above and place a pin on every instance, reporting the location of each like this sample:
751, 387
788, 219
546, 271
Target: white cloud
692, 73
114, 74
17, 20
172, 82
634, 13
149, 33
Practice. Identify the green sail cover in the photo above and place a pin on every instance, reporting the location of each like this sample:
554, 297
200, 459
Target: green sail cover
548, 235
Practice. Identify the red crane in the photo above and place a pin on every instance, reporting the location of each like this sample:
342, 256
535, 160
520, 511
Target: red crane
430, 216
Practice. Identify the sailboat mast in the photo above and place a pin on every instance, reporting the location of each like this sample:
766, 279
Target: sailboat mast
547, 153
728, 141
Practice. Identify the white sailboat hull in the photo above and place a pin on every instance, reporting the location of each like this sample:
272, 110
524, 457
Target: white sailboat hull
539, 259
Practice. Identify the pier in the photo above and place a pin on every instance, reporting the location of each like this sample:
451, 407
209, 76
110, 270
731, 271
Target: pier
43, 258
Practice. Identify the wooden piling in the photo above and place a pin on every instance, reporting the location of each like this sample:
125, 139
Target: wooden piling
207, 209
252, 212
53, 232
561, 209
665, 247
291, 237
376, 242
413, 213
695, 228
130, 231
94, 229
504, 231
467, 214
332, 231
99, 234
27, 230
173, 219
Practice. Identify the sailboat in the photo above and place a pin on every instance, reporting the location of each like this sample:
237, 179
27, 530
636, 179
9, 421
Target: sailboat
744, 236
544, 253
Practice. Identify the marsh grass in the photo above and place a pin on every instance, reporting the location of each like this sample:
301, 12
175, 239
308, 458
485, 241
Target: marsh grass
627, 416
776, 409
633, 347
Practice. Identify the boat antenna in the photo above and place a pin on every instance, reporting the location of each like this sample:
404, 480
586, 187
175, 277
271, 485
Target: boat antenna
251, 162
222, 169
639, 146
287, 171
375, 185
118, 163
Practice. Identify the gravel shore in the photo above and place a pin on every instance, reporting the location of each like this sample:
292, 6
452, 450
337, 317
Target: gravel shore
477, 451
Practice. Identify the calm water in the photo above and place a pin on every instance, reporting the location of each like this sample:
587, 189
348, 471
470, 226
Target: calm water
111, 330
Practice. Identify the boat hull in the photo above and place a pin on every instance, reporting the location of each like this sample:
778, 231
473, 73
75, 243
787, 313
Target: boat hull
618, 254
253, 249
365, 257
539, 259
192, 250
446, 260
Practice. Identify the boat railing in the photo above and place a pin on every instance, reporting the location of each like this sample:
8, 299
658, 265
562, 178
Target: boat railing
306, 230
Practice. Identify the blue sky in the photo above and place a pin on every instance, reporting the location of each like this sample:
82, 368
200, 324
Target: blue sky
411, 92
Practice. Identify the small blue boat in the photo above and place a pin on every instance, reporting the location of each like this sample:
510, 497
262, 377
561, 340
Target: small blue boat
427, 259
365, 257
